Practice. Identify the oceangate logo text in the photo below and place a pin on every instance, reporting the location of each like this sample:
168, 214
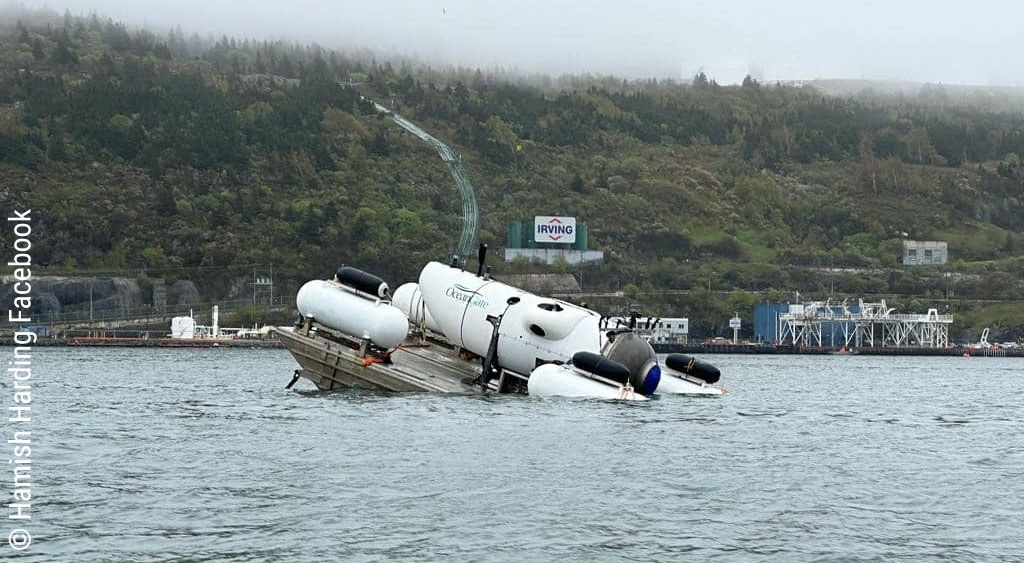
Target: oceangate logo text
463, 293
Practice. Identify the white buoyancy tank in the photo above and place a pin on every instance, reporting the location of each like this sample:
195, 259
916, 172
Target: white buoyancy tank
533, 329
341, 308
551, 380
676, 384
409, 300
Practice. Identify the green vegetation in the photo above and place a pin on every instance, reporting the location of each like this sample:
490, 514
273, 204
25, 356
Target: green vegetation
190, 158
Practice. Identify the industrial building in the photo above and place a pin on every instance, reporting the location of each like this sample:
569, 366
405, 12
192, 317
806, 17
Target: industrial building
923, 252
550, 240
664, 330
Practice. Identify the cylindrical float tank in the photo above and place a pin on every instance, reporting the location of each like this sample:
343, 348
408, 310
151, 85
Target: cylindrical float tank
581, 237
693, 367
672, 384
409, 300
363, 281
551, 380
341, 308
515, 235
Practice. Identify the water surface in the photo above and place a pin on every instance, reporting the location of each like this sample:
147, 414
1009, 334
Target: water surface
201, 455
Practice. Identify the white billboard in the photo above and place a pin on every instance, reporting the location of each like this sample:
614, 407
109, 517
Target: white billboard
554, 229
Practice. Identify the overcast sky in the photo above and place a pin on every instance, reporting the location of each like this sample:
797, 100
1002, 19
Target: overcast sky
919, 40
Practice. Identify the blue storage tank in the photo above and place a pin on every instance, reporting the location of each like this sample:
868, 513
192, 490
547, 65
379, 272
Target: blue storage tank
766, 320
766, 323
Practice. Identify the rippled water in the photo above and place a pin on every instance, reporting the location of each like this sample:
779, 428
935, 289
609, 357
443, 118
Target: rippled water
201, 455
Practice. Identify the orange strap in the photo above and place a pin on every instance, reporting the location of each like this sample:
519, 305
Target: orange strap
375, 360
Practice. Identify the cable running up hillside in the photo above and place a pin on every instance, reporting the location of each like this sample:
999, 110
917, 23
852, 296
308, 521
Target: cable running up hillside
470, 209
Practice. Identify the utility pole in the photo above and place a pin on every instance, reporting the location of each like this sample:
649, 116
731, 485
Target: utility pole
262, 288
252, 311
581, 271
831, 277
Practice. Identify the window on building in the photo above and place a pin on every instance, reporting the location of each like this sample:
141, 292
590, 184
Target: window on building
927, 255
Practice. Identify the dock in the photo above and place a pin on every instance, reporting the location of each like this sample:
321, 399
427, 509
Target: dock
143, 342
671, 348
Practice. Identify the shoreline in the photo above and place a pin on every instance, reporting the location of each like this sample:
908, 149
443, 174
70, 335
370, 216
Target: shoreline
102, 342
98, 342
835, 350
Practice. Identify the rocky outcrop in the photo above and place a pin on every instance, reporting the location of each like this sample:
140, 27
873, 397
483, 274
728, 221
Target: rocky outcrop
182, 292
52, 295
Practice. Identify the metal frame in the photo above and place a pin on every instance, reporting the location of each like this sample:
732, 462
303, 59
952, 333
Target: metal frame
874, 325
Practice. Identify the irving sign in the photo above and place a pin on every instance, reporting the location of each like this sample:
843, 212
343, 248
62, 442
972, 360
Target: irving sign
554, 229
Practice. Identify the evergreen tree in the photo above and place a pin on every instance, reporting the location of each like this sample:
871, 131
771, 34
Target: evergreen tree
23, 36
37, 49
63, 54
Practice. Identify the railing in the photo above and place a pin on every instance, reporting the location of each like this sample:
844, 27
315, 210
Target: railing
855, 317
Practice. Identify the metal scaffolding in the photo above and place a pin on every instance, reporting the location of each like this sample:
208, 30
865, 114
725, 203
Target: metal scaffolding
872, 325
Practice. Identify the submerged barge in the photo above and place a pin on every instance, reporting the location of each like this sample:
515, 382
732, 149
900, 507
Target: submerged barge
333, 360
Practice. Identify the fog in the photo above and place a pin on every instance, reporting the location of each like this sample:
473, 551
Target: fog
914, 40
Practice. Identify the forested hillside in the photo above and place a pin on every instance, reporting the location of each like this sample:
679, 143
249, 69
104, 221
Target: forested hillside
175, 156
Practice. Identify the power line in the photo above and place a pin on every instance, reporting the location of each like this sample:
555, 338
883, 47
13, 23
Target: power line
48, 270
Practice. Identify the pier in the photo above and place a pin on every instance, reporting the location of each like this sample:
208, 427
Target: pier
787, 349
